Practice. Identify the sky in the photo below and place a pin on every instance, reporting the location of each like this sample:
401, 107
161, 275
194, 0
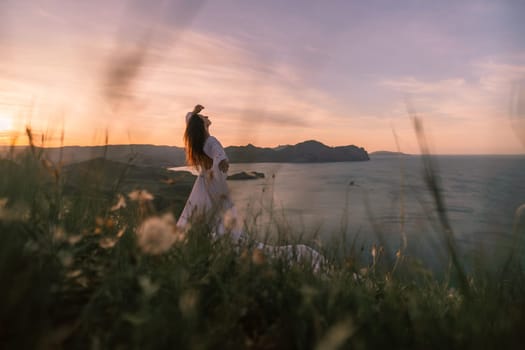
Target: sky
268, 72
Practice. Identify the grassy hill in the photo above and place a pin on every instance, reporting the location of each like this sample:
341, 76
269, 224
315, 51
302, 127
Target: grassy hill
109, 178
81, 271
142, 155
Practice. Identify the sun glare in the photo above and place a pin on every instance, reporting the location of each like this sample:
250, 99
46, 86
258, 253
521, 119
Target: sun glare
6, 122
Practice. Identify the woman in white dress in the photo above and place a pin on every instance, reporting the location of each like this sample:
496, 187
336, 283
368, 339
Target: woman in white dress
210, 197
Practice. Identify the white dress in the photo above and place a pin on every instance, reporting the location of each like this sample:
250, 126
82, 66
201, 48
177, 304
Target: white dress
210, 197
210, 200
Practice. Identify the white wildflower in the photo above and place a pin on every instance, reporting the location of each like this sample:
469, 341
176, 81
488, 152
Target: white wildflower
258, 257
74, 273
120, 233
148, 287
99, 220
19, 212
519, 219
74, 239
337, 335
107, 242
520, 212
140, 195
3, 203
65, 258
59, 234
157, 234
188, 302
121, 203
82, 281
230, 220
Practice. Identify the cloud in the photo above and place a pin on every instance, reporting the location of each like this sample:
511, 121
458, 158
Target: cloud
484, 95
230, 80
459, 109
176, 72
411, 85
305, 76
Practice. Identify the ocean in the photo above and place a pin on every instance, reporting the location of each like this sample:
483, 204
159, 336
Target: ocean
385, 199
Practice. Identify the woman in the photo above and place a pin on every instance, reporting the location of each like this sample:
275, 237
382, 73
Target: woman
210, 197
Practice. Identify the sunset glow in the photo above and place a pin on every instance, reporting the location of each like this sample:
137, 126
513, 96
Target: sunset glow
6, 122
268, 73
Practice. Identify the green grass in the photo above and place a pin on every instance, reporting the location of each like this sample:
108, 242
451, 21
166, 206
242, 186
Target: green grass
74, 275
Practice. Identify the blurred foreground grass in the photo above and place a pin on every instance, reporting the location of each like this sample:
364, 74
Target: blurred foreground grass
90, 260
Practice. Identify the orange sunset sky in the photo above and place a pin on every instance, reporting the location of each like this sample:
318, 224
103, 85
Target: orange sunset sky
268, 72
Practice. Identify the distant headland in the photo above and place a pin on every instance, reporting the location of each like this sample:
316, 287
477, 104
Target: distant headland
304, 152
388, 153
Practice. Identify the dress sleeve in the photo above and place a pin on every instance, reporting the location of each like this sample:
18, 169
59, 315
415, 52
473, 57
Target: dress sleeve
214, 178
215, 151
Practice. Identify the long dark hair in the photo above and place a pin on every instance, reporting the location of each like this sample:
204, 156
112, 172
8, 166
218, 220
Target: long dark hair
194, 138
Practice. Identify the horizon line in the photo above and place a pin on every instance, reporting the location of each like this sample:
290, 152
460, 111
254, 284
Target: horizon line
181, 147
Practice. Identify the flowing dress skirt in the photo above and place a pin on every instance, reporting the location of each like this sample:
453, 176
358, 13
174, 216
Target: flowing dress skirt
210, 200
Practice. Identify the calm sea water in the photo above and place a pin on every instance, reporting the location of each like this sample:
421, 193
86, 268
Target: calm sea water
387, 196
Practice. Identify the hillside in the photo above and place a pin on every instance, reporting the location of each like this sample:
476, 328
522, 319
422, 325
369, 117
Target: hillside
99, 175
171, 156
304, 152
143, 155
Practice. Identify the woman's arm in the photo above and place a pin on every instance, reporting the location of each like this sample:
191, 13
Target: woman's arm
224, 165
